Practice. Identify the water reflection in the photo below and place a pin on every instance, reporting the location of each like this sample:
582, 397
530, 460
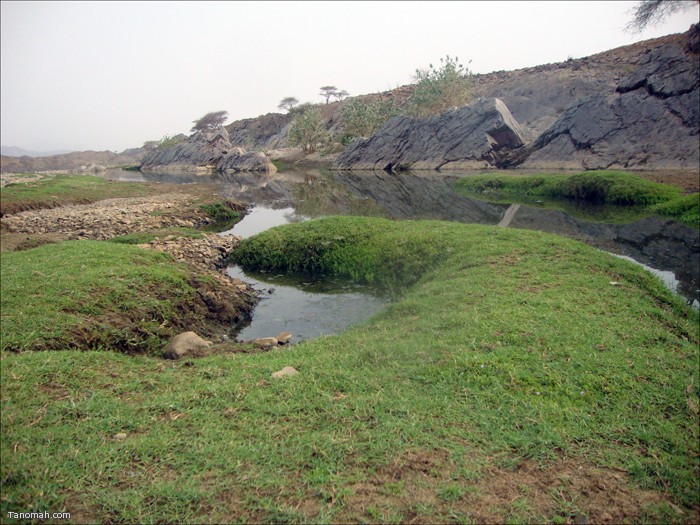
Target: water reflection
296, 195
306, 306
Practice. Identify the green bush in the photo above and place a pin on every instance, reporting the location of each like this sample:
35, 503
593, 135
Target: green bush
361, 118
308, 130
595, 187
222, 213
439, 89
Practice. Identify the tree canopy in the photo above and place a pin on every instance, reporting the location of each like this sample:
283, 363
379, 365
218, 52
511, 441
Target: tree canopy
651, 12
213, 120
288, 103
328, 92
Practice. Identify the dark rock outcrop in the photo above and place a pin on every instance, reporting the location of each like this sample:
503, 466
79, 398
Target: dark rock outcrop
206, 152
650, 121
473, 136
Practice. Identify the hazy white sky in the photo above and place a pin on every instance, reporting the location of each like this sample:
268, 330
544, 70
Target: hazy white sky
112, 75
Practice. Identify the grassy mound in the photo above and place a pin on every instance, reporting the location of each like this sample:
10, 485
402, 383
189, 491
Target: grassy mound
597, 187
686, 209
519, 377
99, 295
632, 195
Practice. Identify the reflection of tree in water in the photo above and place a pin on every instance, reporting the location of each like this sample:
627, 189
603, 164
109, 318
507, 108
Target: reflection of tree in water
321, 195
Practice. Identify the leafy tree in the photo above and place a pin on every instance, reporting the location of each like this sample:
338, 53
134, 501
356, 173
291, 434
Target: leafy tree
438, 89
362, 118
328, 92
308, 130
288, 103
651, 12
340, 95
213, 120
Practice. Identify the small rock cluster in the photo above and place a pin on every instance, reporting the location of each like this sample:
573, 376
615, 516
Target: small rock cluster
282, 338
207, 253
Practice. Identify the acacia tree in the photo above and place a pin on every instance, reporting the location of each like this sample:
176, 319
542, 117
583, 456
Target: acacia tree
340, 95
287, 103
213, 120
651, 12
328, 92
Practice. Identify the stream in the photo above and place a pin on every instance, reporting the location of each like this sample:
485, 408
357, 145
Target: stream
312, 306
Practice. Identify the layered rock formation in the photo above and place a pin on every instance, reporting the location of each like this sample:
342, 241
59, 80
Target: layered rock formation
651, 120
206, 152
648, 119
472, 136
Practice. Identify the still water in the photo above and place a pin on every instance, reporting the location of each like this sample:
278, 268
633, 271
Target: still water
669, 249
308, 306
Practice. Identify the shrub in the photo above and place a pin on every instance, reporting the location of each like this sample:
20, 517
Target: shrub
308, 130
439, 89
362, 118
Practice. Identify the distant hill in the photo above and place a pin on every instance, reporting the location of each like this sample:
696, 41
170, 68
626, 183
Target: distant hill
71, 161
14, 151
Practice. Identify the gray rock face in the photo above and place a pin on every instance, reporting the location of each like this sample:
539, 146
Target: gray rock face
650, 121
206, 152
473, 136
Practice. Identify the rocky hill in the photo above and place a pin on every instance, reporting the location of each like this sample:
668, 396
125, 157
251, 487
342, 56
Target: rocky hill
638, 110
630, 107
71, 161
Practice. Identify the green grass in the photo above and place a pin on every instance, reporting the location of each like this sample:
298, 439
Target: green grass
94, 295
685, 209
145, 237
603, 196
65, 189
223, 215
596, 187
504, 349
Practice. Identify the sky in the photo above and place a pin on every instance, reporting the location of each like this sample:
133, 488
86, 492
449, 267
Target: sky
113, 75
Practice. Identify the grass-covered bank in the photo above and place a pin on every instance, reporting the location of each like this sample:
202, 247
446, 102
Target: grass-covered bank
519, 377
104, 295
592, 187
65, 189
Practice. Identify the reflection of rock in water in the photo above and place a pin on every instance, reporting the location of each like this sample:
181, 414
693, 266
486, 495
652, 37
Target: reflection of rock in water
424, 196
659, 243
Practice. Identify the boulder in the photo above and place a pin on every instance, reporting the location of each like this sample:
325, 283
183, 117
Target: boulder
285, 372
284, 337
265, 342
183, 343
474, 136
206, 151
